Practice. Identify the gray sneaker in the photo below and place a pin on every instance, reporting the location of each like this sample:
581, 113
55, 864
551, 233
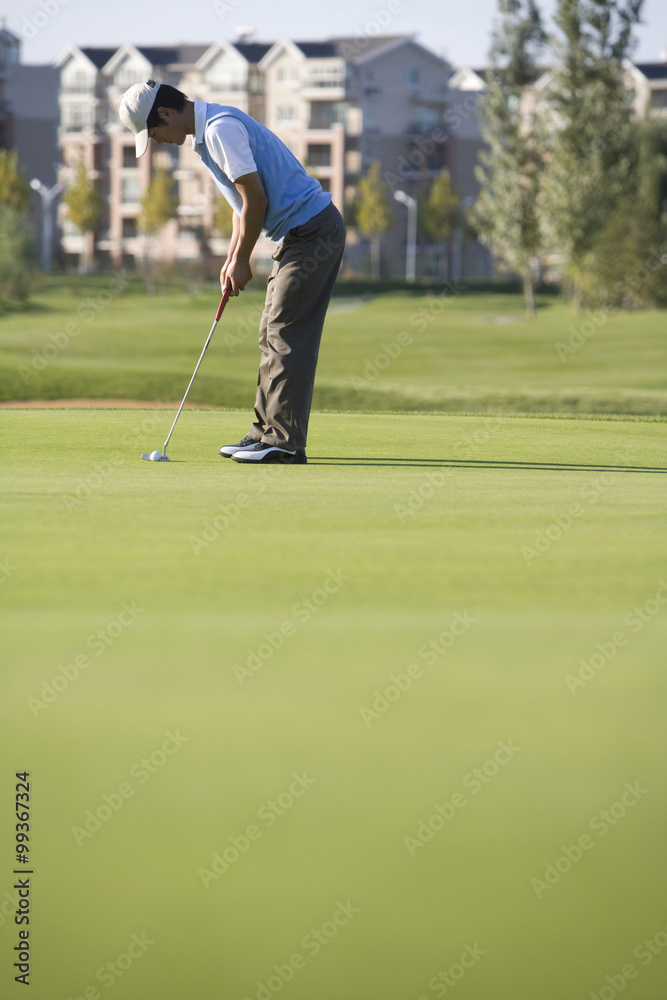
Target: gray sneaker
267, 453
228, 450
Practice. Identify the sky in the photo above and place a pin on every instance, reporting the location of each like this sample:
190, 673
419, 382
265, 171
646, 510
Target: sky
458, 30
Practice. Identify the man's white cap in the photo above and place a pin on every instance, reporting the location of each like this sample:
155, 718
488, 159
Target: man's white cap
135, 106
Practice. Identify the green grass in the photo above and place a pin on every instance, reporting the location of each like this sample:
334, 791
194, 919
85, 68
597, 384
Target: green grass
426, 518
467, 353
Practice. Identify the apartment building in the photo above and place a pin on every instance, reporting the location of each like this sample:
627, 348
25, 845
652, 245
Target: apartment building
10, 48
29, 111
649, 82
92, 83
339, 105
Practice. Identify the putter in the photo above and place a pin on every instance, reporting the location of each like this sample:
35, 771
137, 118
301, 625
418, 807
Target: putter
161, 456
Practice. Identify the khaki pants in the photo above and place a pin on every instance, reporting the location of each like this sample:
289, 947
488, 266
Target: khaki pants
297, 297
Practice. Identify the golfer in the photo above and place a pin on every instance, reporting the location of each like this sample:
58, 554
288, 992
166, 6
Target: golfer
270, 193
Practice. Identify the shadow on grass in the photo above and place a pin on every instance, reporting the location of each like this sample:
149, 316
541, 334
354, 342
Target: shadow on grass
461, 463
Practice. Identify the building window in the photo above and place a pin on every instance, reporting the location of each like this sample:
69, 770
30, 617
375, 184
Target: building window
286, 74
129, 229
659, 99
326, 76
130, 190
427, 119
412, 76
127, 76
319, 155
285, 113
325, 183
129, 158
77, 116
225, 83
78, 82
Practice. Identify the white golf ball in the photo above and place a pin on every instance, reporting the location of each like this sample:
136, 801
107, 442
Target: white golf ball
156, 456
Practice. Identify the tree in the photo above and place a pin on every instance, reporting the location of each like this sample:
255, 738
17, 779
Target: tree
627, 261
222, 216
17, 253
85, 210
442, 209
588, 127
15, 189
506, 215
17, 242
159, 204
374, 213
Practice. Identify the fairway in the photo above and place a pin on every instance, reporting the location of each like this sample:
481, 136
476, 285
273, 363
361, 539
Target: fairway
447, 351
381, 727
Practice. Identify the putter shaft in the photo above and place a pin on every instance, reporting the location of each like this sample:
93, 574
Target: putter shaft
223, 302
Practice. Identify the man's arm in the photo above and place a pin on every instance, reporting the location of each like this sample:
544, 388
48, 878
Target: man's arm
237, 273
236, 224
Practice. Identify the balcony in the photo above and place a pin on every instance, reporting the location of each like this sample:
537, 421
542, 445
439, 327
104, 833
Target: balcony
227, 86
324, 88
427, 96
78, 90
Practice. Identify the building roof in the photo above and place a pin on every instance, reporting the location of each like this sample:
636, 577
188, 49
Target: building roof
252, 51
534, 73
188, 55
653, 71
317, 50
98, 57
8, 35
159, 55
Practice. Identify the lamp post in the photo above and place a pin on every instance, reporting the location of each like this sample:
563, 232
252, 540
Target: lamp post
411, 250
48, 196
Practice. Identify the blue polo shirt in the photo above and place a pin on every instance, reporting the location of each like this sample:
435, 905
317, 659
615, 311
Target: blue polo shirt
293, 196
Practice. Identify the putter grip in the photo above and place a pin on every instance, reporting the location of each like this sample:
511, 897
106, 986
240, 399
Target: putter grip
223, 302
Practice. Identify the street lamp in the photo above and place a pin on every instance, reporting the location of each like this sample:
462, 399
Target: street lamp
411, 250
48, 196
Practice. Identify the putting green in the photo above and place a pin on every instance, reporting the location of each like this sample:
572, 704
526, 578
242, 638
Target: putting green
378, 726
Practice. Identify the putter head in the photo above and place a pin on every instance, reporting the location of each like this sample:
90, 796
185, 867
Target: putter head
155, 456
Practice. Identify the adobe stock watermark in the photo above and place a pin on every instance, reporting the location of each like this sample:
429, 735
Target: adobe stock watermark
419, 320
421, 494
268, 814
443, 982
418, 497
248, 327
474, 782
98, 642
213, 527
88, 310
430, 652
9, 906
600, 824
109, 973
606, 650
47, 10
645, 952
377, 23
587, 328
92, 480
141, 773
312, 943
225, 7
417, 159
302, 611
96, 477
7, 570
591, 492
327, 247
